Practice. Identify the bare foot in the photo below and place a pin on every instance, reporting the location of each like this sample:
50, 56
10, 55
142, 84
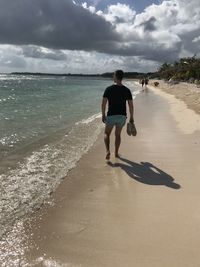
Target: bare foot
108, 155
117, 155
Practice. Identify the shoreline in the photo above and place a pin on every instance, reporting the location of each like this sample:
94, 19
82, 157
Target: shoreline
122, 214
95, 125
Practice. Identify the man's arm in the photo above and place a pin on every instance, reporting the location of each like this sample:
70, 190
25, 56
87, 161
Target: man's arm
131, 110
103, 109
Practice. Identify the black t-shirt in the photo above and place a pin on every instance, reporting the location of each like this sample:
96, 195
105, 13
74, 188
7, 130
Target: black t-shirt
117, 96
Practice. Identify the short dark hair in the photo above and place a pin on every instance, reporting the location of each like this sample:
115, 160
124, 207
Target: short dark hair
119, 74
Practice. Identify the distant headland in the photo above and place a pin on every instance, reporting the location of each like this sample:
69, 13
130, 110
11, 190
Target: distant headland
131, 75
183, 70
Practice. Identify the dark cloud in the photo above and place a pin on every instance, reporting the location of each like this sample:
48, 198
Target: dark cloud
119, 20
148, 49
53, 24
188, 43
149, 25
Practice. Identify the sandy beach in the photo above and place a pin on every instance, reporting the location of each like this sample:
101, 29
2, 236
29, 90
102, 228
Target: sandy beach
141, 210
187, 92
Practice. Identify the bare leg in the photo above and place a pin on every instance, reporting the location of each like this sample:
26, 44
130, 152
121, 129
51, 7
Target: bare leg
108, 130
117, 140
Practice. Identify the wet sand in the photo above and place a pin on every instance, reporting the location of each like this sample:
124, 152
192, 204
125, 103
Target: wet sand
141, 210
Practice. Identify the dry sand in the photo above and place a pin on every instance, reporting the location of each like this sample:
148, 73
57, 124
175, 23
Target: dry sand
187, 92
142, 210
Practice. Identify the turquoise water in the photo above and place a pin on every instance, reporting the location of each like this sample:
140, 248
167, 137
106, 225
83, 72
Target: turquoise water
33, 108
46, 124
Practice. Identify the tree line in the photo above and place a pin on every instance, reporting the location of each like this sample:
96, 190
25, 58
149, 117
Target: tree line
186, 69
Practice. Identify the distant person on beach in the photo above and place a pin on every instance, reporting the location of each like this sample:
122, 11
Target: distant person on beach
146, 81
116, 95
142, 82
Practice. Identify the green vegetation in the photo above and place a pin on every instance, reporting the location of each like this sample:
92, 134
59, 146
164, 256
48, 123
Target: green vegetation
186, 69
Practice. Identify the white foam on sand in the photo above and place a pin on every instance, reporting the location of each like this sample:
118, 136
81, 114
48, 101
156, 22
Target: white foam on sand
25, 188
90, 119
134, 87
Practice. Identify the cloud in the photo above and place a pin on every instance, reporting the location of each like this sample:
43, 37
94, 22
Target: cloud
196, 39
42, 53
177, 24
10, 58
149, 25
75, 62
119, 13
68, 35
48, 23
146, 34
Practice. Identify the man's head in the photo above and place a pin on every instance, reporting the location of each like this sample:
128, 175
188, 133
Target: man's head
118, 75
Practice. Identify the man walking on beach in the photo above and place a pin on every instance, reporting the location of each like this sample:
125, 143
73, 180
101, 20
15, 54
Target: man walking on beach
116, 95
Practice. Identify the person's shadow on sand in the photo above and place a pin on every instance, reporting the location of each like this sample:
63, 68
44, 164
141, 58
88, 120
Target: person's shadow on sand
146, 173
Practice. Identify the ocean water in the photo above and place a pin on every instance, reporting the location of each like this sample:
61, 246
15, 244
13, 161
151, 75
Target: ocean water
46, 124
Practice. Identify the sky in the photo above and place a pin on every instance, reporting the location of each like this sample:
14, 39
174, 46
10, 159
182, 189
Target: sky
96, 36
